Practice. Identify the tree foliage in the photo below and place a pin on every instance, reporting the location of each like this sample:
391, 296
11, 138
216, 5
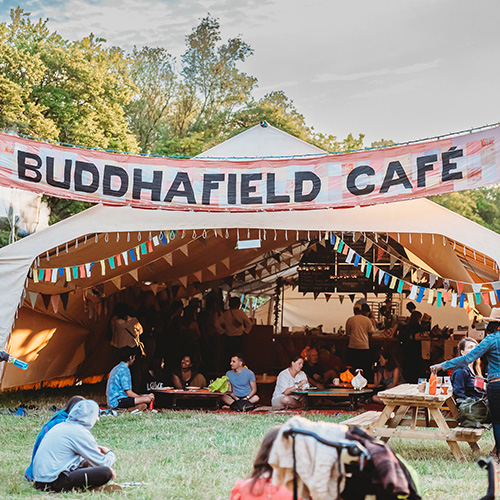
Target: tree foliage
72, 92
479, 205
86, 93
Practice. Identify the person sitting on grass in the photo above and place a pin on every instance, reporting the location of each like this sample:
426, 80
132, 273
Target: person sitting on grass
289, 380
259, 486
69, 458
119, 388
58, 418
387, 374
187, 375
242, 383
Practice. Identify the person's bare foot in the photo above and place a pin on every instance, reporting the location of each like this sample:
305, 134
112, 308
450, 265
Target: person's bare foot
139, 407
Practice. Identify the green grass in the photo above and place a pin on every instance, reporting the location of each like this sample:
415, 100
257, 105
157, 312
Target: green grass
197, 455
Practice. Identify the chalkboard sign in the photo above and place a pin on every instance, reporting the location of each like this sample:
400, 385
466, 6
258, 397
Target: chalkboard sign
324, 270
323, 278
317, 278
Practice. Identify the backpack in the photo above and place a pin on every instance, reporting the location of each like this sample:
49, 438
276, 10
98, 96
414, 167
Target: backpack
473, 412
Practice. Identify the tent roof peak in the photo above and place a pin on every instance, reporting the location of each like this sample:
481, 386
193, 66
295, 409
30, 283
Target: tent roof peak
261, 141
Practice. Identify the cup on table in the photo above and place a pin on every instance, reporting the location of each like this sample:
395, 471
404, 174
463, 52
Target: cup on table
264, 376
421, 386
444, 389
336, 381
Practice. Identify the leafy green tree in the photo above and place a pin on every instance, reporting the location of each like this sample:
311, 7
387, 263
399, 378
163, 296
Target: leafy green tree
382, 143
156, 90
276, 109
479, 205
73, 92
279, 110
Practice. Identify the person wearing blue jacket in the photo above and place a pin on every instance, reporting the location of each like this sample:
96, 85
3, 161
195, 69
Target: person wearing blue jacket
69, 458
490, 348
58, 418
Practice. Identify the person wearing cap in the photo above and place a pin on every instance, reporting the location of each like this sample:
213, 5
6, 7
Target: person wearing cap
490, 348
69, 457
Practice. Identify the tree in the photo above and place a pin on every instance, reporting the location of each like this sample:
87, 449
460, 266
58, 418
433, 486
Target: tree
279, 110
211, 77
73, 92
156, 88
479, 205
276, 109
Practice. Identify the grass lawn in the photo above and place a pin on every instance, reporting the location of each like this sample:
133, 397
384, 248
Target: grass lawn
197, 455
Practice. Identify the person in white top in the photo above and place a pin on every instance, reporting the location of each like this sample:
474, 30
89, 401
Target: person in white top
288, 381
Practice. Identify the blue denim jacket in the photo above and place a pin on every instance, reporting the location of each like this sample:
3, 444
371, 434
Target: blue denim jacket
490, 347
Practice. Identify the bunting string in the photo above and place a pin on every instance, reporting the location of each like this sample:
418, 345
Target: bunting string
417, 292
80, 271
418, 270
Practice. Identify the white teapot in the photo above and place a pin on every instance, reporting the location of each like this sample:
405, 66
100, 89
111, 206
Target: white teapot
359, 382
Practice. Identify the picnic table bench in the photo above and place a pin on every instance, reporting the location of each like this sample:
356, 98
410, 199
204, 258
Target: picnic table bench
411, 414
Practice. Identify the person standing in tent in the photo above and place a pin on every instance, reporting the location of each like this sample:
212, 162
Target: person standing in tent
125, 328
359, 328
412, 349
233, 323
210, 338
119, 388
169, 344
126, 332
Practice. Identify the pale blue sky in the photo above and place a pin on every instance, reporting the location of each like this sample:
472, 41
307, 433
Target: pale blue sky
396, 69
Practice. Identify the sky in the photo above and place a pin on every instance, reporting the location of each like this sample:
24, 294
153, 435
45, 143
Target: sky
392, 69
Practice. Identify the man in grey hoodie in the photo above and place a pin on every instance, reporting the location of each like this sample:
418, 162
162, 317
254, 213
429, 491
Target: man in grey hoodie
69, 457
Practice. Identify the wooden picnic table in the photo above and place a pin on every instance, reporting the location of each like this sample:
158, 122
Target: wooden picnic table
345, 393
404, 406
198, 398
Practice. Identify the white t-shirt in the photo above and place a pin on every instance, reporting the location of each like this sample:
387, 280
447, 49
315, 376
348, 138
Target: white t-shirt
284, 381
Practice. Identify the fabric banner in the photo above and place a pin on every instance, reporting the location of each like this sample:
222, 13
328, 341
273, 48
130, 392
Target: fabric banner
328, 181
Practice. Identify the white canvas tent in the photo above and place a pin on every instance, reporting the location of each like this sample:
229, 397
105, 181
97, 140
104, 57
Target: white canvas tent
65, 341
